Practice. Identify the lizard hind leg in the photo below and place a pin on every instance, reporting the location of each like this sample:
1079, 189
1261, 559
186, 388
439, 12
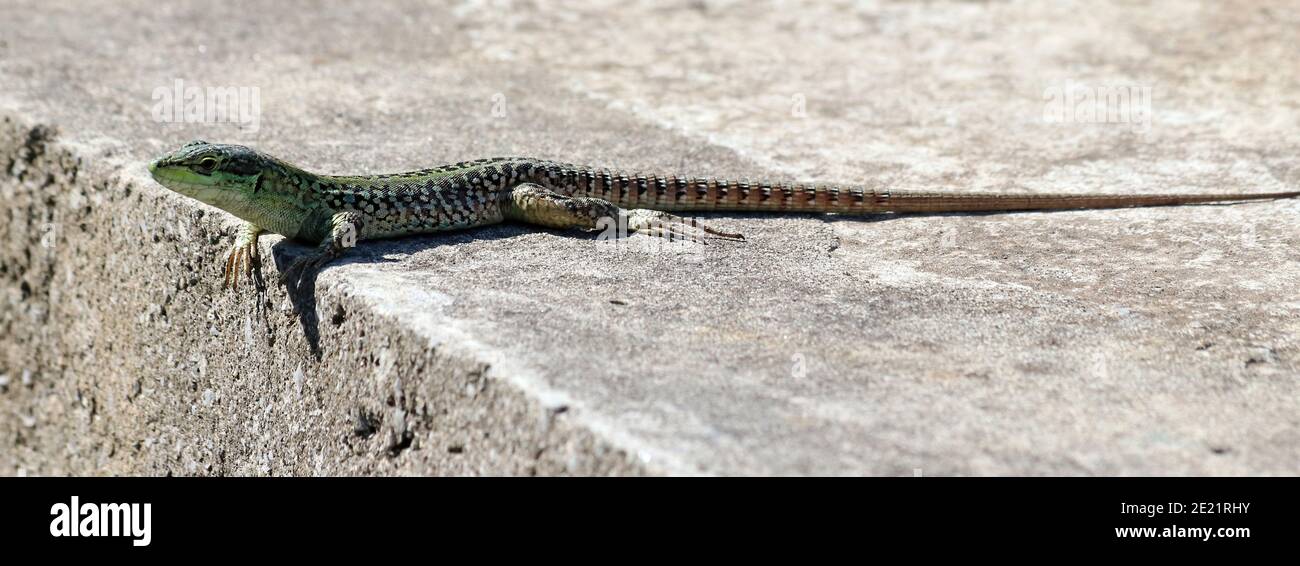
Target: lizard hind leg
535, 204
673, 227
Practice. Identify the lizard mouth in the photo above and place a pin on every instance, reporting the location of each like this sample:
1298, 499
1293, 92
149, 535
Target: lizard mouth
185, 182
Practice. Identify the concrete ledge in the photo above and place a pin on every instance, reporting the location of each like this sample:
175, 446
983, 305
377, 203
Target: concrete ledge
123, 356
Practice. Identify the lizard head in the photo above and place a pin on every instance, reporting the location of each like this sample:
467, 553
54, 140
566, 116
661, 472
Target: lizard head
216, 174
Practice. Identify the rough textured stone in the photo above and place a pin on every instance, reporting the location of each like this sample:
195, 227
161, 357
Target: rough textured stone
1154, 341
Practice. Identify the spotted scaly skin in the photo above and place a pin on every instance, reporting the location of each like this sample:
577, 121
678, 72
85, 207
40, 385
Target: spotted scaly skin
337, 211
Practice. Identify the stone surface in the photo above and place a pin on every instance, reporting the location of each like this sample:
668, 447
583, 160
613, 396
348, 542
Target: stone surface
1154, 341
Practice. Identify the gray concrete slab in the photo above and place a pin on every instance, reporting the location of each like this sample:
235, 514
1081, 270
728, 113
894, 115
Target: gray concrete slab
1155, 341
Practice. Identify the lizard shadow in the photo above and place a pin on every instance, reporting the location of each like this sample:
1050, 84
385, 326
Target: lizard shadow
302, 293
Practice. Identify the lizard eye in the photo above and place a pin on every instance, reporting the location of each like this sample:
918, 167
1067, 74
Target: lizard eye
207, 164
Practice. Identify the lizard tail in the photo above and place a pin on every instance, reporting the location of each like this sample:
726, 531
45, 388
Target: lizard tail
671, 193
917, 201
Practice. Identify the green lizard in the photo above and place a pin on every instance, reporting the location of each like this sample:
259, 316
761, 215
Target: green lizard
337, 211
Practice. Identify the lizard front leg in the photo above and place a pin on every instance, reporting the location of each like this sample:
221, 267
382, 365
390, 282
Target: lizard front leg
535, 204
243, 255
345, 229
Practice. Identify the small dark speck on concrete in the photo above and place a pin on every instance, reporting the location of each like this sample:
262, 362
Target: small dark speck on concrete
365, 425
401, 443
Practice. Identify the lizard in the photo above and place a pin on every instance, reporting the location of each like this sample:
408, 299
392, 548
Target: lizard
337, 211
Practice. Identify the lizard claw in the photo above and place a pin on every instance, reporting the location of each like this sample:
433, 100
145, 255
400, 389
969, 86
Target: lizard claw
294, 272
241, 258
302, 265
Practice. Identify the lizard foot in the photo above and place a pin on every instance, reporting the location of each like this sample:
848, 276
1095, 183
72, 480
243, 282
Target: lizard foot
672, 227
243, 257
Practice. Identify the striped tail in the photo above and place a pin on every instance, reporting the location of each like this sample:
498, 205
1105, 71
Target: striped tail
672, 193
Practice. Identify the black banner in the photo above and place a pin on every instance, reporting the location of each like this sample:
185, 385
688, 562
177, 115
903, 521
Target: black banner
321, 516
